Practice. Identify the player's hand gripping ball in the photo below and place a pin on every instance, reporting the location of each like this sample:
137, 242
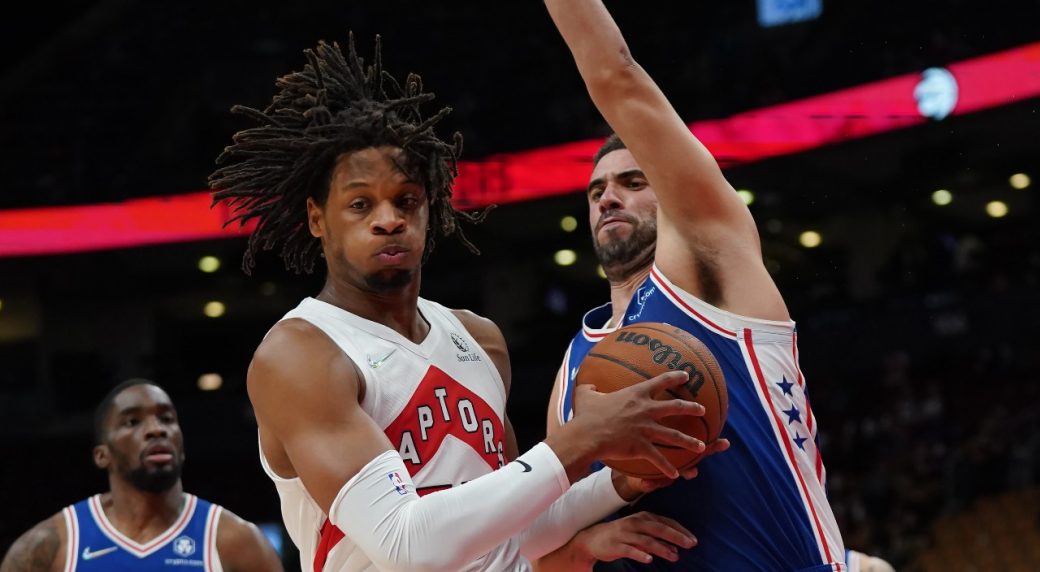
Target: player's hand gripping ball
641, 351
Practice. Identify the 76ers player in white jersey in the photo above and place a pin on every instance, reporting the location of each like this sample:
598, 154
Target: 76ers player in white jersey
686, 251
368, 396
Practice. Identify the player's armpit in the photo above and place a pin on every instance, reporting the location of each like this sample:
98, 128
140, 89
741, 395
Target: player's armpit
243, 548
305, 393
40, 549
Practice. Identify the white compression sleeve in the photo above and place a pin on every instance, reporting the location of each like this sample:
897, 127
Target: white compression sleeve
379, 511
589, 501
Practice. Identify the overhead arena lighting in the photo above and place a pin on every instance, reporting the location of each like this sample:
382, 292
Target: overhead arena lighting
1019, 181
942, 197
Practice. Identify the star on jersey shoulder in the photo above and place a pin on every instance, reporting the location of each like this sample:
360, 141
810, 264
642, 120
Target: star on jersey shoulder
793, 414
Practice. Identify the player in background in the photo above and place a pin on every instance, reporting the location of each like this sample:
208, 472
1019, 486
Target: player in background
145, 522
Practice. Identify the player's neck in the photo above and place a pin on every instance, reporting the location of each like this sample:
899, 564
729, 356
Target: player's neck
141, 515
396, 309
621, 292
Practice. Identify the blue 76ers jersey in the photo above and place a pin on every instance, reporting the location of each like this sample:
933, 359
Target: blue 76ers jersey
94, 544
761, 505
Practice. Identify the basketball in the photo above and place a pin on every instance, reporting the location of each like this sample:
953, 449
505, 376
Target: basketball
641, 351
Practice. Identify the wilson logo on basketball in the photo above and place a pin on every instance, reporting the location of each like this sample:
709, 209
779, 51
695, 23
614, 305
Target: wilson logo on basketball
666, 355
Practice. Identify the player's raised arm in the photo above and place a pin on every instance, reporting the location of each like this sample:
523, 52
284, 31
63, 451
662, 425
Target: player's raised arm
689, 184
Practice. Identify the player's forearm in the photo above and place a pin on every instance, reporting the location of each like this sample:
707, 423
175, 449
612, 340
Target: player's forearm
594, 39
379, 510
590, 500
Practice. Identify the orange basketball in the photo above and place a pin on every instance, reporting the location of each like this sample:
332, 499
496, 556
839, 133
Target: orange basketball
641, 351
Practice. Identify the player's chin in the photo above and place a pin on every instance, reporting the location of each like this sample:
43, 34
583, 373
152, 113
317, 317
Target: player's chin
391, 279
613, 233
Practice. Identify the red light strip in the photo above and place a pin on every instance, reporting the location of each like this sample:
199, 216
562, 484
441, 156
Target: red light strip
984, 82
138, 222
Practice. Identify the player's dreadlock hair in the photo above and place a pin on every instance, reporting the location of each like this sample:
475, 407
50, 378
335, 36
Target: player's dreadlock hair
334, 105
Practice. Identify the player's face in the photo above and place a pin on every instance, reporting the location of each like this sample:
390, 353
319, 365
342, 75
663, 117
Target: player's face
622, 214
144, 444
373, 225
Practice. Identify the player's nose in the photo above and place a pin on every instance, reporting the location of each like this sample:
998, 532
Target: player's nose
387, 219
153, 428
610, 199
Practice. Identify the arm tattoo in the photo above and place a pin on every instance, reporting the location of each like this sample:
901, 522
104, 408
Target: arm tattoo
34, 551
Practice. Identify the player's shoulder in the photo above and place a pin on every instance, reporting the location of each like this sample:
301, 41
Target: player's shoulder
38, 549
235, 531
297, 355
477, 325
292, 343
295, 333
484, 330
242, 546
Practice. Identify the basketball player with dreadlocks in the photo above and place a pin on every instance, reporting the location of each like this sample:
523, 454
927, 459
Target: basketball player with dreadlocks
367, 396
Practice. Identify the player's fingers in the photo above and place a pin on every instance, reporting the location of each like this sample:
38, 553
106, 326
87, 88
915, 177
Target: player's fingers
662, 435
690, 473
716, 446
664, 381
665, 529
651, 545
650, 453
627, 551
670, 407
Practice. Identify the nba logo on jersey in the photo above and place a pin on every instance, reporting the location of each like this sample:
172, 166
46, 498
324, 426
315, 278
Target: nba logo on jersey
398, 482
184, 546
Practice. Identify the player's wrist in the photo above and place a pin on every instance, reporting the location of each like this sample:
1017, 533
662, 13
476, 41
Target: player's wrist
572, 447
581, 555
625, 487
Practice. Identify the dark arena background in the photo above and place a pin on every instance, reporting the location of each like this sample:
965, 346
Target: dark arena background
889, 151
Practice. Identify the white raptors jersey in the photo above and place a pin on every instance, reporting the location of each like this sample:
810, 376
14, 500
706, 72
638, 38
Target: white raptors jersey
442, 404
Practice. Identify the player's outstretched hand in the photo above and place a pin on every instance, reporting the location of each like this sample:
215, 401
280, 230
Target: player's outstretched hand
625, 424
640, 537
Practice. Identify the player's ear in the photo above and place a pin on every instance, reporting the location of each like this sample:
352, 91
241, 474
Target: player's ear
102, 456
314, 219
